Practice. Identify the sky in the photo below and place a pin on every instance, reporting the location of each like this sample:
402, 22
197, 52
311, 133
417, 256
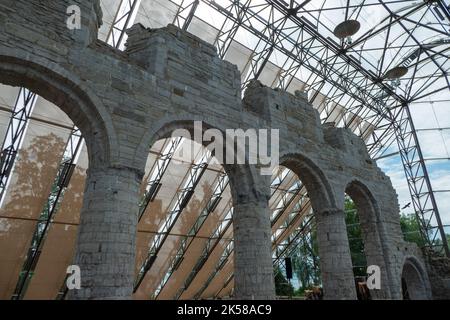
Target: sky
434, 144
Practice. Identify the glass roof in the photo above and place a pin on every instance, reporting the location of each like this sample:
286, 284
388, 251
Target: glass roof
291, 44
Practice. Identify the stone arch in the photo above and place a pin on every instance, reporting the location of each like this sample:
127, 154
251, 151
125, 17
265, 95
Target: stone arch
250, 192
319, 189
66, 90
415, 284
242, 177
364, 199
334, 252
373, 238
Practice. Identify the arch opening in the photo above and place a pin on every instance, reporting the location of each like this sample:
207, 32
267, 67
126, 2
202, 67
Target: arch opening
294, 238
413, 280
69, 94
42, 194
185, 223
52, 128
365, 241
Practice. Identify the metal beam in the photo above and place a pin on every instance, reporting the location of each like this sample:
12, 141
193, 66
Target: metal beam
123, 20
157, 173
185, 14
209, 247
17, 127
419, 183
216, 197
180, 202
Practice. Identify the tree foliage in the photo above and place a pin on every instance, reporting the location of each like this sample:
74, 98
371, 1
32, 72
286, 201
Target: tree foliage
282, 286
411, 229
355, 239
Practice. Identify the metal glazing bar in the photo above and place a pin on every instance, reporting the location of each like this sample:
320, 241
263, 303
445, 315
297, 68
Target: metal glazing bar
179, 202
65, 171
17, 126
186, 241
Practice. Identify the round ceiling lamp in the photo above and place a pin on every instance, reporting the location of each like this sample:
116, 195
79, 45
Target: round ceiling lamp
346, 29
396, 72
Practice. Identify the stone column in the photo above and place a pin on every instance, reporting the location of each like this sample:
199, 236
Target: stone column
334, 252
253, 267
105, 249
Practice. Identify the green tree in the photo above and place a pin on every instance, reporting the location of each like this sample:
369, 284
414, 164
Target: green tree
282, 286
411, 229
355, 239
305, 262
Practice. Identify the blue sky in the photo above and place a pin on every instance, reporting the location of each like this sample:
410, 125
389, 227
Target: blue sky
434, 144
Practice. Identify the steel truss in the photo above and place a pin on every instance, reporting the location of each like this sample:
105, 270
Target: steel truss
123, 20
180, 202
217, 236
17, 126
157, 173
277, 240
286, 202
186, 241
211, 244
375, 108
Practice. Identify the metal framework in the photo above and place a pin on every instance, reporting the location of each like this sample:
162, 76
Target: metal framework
18, 123
180, 201
157, 173
345, 79
222, 229
217, 236
65, 171
123, 20
343, 73
211, 244
186, 241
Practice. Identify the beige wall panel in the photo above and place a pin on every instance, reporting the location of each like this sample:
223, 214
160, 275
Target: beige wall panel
15, 237
186, 266
49, 112
205, 272
142, 241
159, 267
8, 96
56, 255
27, 193
217, 284
157, 209
4, 120
212, 222
58, 249
39, 157
199, 200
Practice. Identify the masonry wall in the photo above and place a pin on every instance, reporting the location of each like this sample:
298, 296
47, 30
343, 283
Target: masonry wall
164, 80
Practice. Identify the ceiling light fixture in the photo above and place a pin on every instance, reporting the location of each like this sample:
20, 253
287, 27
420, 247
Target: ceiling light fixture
346, 29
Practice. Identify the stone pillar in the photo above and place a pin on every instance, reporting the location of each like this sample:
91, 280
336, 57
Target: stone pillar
334, 252
106, 248
253, 266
